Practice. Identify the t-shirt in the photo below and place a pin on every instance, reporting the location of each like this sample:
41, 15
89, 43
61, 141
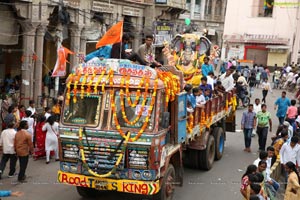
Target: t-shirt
292, 112
283, 104
206, 68
263, 119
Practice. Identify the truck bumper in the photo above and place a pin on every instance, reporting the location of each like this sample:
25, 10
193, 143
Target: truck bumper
122, 185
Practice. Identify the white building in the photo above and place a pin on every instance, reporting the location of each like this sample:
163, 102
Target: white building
263, 33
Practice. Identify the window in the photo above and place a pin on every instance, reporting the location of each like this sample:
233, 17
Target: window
132, 112
188, 5
218, 8
85, 111
264, 8
208, 7
197, 6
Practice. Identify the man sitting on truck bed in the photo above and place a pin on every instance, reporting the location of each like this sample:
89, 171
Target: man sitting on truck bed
119, 50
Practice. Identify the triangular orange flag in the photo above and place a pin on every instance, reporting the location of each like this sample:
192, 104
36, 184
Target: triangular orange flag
112, 36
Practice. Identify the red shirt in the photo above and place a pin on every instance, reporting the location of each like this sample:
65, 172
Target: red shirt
292, 112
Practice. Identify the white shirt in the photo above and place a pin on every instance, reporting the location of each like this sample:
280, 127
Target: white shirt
287, 153
256, 108
268, 169
227, 82
200, 99
243, 80
32, 110
266, 86
7, 140
30, 122
47, 115
210, 81
288, 69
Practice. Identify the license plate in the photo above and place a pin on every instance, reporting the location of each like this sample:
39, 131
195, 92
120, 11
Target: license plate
101, 185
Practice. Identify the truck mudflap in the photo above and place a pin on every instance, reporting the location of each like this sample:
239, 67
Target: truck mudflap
122, 185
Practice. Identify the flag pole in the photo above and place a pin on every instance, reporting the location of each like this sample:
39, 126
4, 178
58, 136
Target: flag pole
121, 35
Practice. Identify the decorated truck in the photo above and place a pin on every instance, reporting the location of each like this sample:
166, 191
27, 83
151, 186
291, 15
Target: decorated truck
125, 128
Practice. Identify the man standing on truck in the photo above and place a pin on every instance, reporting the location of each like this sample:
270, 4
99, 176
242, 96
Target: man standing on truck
264, 122
206, 67
227, 80
248, 124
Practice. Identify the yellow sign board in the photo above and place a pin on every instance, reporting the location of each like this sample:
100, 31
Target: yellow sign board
123, 185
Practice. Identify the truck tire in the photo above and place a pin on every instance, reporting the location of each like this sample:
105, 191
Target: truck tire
193, 158
219, 137
86, 192
207, 156
167, 187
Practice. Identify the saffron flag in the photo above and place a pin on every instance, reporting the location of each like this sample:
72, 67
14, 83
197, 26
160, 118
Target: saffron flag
61, 62
112, 36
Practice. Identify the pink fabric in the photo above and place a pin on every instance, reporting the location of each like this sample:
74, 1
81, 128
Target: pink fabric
292, 112
245, 182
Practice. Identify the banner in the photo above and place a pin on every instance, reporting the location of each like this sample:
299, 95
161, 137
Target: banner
61, 62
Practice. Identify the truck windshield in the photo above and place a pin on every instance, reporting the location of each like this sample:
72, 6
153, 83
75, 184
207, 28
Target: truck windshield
85, 111
133, 112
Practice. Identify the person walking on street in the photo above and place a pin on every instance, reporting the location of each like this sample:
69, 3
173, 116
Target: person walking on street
7, 139
266, 87
256, 109
23, 146
264, 122
248, 124
282, 104
51, 142
291, 114
292, 191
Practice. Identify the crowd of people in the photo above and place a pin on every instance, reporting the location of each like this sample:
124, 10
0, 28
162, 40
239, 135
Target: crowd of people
284, 145
25, 133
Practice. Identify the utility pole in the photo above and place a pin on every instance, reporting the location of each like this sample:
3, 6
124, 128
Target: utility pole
296, 45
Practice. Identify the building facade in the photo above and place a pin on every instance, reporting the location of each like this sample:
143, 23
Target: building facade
261, 30
31, 28
207, 17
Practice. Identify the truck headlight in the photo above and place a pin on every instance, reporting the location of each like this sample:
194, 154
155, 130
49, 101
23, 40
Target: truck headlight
147, 174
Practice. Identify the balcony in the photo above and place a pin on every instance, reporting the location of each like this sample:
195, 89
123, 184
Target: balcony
179, 4
147, 2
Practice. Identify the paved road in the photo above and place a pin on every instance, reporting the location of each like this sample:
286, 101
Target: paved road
222, 182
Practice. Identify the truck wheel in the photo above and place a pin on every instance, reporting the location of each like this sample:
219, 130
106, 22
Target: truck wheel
193, 156
86, 192
219, 137
168, 185
206, 156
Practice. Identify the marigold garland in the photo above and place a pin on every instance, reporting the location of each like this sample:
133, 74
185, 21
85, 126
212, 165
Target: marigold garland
141, 131
190, 123
137, 97
98, 81
82, 86
142, 105
114, 169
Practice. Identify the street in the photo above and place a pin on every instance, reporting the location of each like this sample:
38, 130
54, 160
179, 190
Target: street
221, 182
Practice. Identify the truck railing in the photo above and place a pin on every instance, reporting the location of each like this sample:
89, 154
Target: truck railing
212, 111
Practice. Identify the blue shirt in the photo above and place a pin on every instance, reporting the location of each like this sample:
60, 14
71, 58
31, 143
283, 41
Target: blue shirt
248, 119
282, 104
206, 68
204, 87
192, 100
5, 193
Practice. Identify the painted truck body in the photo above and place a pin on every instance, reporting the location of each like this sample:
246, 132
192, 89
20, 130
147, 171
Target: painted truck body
111, 139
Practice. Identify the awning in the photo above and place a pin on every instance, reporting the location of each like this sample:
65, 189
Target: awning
277, 47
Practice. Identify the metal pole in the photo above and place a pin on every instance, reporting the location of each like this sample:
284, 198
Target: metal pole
295, 50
